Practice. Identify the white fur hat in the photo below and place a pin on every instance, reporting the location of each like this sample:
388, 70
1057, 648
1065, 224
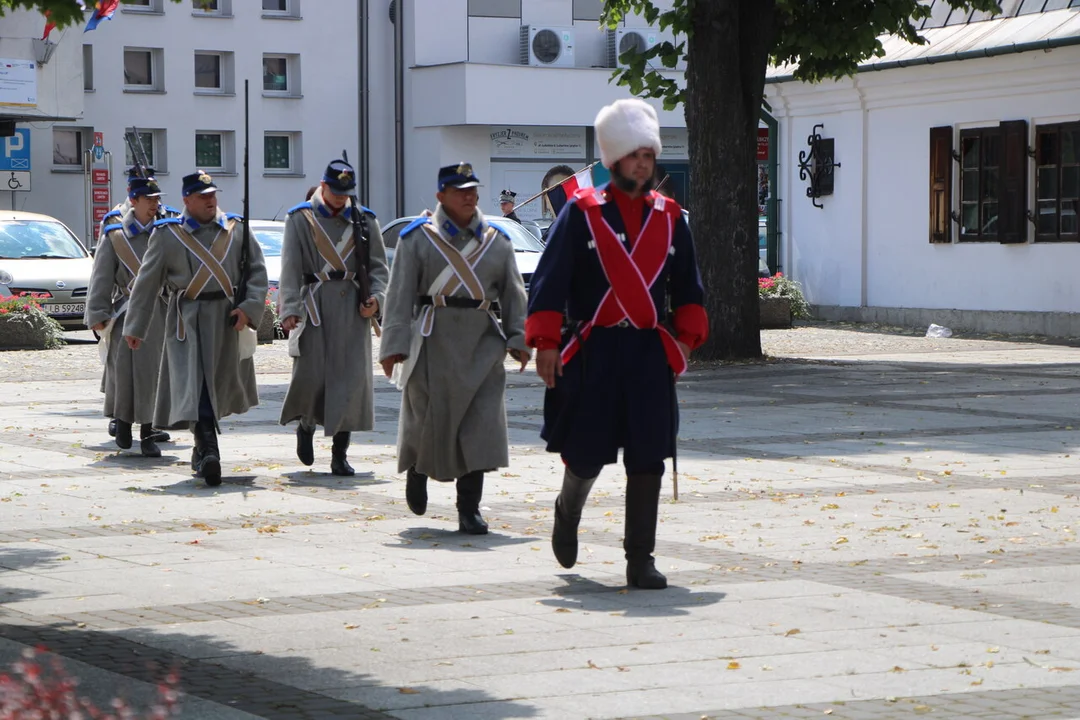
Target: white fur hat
625, 126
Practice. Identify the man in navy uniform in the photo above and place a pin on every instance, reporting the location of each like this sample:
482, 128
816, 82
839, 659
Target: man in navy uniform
617, 257
507, 198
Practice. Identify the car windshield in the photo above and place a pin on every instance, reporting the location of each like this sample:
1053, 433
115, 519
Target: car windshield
519, 236
269, 239
37, 239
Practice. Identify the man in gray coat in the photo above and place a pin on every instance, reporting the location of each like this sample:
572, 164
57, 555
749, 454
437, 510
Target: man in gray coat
130, 379
447, 346
217, 286
333, 281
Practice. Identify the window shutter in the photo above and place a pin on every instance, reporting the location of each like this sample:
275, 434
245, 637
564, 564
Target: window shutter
941, 161
1012, 207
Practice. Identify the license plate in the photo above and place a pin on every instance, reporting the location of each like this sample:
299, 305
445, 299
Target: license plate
64, 308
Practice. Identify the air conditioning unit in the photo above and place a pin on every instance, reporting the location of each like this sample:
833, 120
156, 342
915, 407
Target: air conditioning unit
547, 46
621, 40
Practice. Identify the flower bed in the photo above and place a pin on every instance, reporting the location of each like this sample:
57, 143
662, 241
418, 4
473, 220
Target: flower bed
25, 326
780, 300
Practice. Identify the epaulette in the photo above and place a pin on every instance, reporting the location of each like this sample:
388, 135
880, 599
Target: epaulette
500, 230
587, 198
297, 208
111, 213
415, 224
233, 216
367, 210
110, 228
171, 210
168, 221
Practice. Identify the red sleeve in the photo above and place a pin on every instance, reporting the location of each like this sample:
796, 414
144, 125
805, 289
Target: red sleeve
543, 330
691, 325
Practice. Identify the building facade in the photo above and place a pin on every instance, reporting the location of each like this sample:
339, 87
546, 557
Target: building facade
955, 196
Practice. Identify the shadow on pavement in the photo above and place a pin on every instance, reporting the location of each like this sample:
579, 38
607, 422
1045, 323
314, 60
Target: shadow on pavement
13, 564
426, 538
264, 684
313, 478
581, 593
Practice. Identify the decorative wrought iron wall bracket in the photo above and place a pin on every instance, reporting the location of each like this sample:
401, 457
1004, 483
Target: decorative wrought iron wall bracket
817, 166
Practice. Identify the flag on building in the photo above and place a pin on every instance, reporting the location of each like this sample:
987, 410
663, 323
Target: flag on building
559, 195
49, 26
103, 10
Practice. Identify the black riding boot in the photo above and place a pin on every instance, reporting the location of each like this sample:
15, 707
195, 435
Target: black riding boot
160, 436
470, 488
642, 506
146, 442
123, 435
210, 464
304, 449
416, 491
338, 464
568, 507
112, 427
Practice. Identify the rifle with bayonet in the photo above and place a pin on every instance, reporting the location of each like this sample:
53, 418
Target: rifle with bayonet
241, 291
361, 236
138, 153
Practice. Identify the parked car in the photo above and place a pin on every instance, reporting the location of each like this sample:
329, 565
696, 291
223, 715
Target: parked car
269, 233
527, 248
40, 256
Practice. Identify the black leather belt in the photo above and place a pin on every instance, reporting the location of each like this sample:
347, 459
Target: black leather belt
311, 279
454, 302
216, 295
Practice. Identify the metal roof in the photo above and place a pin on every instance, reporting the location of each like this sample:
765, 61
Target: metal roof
952, 34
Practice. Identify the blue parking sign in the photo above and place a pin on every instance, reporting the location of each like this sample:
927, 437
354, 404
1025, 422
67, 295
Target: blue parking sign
16, 151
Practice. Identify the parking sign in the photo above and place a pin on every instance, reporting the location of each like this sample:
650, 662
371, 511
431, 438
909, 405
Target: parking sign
16, 152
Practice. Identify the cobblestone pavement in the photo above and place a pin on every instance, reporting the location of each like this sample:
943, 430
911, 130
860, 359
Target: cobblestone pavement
871, 524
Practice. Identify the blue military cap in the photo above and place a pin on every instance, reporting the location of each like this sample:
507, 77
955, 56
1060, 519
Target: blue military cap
340, 177
140, 187
198, 182
460, 176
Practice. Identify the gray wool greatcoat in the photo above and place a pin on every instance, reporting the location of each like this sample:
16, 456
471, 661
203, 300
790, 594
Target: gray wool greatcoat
332, 382
131, 377
208, 353
453, 408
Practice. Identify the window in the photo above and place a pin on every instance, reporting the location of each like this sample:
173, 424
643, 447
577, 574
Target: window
1057, 182
68, 146
88, 67
211, 8
993, 183
143, 6
281, 75
151, 143
495, 8
143, 70
588, 9
281, 153
214, 73
214, 151
281, 9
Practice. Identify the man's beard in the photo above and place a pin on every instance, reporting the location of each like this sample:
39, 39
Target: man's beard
628, 184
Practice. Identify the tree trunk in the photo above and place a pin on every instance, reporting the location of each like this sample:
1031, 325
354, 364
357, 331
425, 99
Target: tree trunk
725, 78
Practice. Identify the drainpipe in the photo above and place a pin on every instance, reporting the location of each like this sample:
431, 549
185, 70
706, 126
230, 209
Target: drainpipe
399, 102
864, 243
363, 101
772, 247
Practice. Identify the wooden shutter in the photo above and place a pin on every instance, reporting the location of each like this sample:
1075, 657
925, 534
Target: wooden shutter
1012, 200
941, 162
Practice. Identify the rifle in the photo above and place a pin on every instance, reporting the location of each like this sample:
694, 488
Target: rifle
138, 153
360, 230
241, 291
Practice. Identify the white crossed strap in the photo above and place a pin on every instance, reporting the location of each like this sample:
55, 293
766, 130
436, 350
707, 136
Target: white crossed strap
460, 272
334, 257
210, 267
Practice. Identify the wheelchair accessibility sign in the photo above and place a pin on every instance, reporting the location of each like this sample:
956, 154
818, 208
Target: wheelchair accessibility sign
15, 181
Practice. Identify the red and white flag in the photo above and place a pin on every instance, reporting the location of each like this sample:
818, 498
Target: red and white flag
558, 196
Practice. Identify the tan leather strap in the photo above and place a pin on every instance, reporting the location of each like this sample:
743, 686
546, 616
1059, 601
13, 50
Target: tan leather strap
210, 259
127, 256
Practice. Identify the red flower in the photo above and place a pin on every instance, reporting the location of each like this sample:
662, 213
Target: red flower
3, 311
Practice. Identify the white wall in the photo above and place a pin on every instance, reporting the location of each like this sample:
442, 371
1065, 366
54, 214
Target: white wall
59, 81
827, 249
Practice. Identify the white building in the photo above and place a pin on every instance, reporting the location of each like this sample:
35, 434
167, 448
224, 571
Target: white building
471, 89
955, 199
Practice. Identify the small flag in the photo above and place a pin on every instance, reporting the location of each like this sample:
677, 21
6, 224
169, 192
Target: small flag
49, 26
558, 196
103, 10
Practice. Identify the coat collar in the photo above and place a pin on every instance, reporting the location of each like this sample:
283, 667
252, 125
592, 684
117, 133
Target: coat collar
320, 206
191, 224
442, 221
132, 226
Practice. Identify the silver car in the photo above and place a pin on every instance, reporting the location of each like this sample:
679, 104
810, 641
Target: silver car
269, 234
39, 256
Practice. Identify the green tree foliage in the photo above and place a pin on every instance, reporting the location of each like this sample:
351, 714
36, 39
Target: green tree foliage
61, 12
728, 45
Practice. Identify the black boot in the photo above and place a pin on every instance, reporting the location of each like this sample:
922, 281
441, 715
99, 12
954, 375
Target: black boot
642, 506
196, 451
470, 488
568, 507
416, 491
123, 435
112, 428
147, 445
338, 464
304, 449
210, 465
160, 436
